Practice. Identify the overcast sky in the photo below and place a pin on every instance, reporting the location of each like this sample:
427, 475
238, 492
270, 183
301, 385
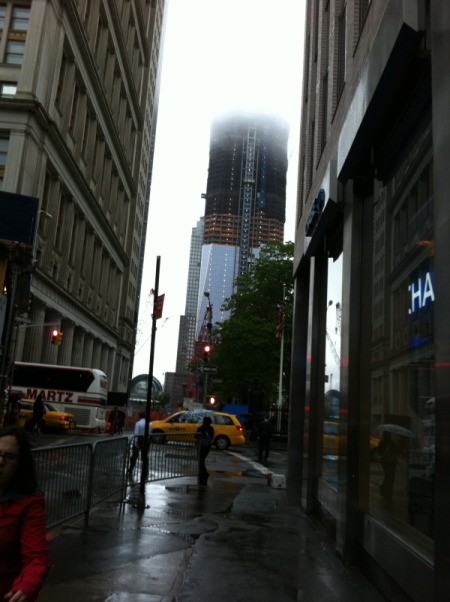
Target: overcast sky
218, 56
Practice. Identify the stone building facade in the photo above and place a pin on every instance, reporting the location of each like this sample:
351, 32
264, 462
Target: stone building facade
78, 102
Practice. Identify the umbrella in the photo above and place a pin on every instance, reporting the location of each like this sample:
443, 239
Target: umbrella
397, 429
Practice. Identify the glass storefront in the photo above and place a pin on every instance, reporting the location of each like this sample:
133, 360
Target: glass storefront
402, 379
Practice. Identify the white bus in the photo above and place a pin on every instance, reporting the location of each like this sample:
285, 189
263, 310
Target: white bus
81, 391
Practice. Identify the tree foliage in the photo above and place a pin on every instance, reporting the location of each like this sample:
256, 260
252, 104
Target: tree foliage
248, 353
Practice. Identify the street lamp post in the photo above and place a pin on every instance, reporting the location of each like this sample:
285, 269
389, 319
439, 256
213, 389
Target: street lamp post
209, 338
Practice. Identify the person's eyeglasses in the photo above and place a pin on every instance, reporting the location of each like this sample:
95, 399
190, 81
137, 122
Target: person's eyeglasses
9, 456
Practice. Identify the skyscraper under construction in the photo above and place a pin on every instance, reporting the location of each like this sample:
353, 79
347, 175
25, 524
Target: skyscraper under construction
245, 200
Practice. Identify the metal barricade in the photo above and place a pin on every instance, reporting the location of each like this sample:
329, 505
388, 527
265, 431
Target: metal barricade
175, 456
75, 478
63, 476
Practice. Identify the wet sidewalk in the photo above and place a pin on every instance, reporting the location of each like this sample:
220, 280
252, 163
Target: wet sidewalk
237, 539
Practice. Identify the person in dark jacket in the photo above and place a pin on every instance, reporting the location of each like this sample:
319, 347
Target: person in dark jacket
24, 558
13, 409
38, 414
120, 421
205, 441
112, 421
265, 432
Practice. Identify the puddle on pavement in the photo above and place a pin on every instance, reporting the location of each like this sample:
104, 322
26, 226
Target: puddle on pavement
191, 538
227, 510
228, 473
177, 488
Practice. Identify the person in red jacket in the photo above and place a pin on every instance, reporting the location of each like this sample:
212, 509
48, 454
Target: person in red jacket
24, 558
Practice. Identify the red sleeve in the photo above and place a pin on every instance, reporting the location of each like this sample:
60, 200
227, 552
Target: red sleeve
33, 548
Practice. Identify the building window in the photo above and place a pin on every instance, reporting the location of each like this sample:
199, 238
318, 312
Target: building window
17, 27
324, 112
20, 19
86, 129
8, 89
61, 79
14, 52
341, 44
74, 109
61, 222
3, 153
363, 10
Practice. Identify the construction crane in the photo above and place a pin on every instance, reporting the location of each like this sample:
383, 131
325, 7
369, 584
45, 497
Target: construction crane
338, 317
143, 323
337, 357
205, 333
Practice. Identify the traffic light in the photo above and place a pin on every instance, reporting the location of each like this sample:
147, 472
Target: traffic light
211, 400
56, 336
206, 352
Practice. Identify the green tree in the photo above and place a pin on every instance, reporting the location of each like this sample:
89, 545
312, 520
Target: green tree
248, 352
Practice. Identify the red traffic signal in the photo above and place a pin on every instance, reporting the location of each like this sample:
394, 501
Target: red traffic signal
56, 336
206, 352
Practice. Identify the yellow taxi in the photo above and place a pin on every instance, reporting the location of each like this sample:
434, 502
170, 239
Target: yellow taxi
52, 419
334, 441
227, 428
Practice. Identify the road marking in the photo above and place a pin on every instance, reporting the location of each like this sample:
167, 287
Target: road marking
256, 465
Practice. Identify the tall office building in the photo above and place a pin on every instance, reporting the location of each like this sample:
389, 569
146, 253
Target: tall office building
78, 104
177, 383
245, 201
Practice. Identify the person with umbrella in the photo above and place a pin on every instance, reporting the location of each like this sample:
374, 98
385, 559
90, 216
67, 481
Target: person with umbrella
393, 444
388, 450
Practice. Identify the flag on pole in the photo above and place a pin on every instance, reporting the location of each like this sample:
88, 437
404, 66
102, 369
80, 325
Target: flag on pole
159, 307
280, 323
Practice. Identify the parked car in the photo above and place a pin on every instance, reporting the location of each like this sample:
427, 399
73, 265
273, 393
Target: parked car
52, 419
227, 428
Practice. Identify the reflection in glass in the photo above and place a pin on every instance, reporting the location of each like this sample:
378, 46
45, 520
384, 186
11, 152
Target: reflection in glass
331, 435
402, 445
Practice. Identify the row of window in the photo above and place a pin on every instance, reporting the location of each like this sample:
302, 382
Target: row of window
332, 54
14, 23
73, 254
80, 121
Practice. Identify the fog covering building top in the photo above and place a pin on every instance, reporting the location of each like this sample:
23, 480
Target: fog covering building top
245, 199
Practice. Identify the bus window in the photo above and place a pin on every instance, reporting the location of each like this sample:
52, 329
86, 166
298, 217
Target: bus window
81, 391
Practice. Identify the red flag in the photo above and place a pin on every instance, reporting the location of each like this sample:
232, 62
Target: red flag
159, 307
280, 323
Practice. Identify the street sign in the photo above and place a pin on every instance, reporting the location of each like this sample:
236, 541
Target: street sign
208, 369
